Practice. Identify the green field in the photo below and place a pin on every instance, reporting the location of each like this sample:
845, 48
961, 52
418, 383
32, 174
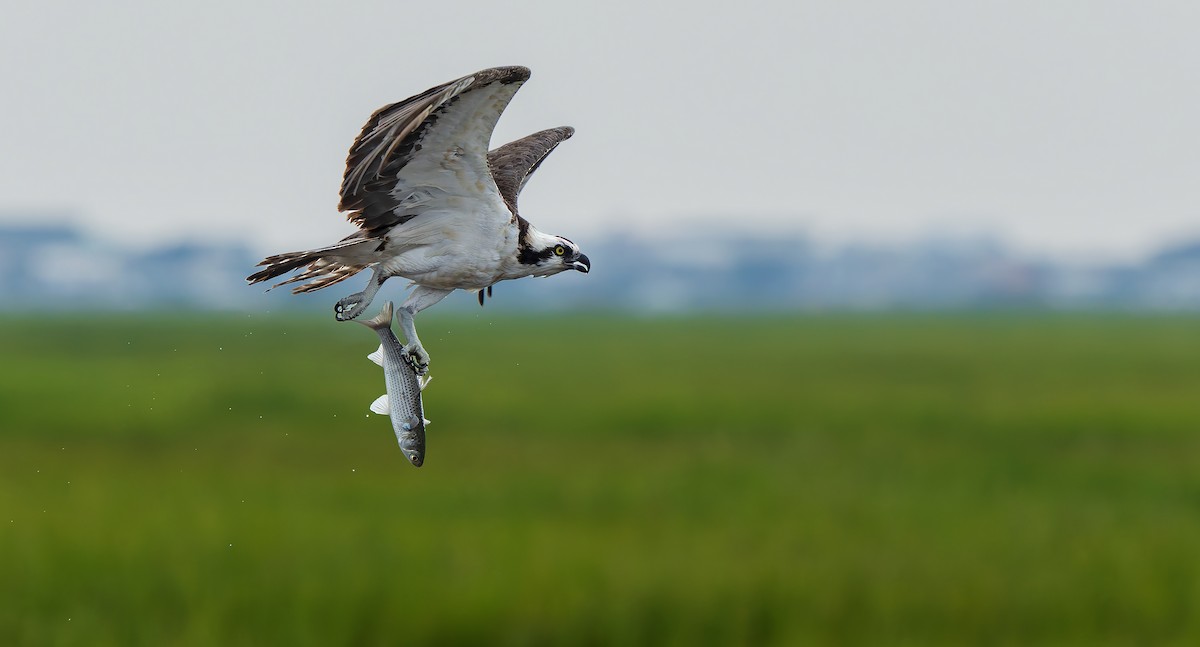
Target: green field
903, 479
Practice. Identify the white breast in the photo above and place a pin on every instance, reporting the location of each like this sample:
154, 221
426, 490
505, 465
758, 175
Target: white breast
451, 250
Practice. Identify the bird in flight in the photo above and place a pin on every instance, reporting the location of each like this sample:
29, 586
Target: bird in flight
434, 205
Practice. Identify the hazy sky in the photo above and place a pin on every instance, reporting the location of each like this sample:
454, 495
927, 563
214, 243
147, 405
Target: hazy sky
1065, 126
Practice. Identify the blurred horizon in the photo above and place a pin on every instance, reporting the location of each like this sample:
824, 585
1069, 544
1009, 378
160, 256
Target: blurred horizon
53, 264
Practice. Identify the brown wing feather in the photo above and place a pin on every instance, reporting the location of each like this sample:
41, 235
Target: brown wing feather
513, 163
392, 136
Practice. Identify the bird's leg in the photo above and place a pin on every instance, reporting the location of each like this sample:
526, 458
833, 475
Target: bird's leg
354, 305
414, 351
421, 298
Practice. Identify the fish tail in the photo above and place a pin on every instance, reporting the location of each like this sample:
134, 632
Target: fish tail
381, 320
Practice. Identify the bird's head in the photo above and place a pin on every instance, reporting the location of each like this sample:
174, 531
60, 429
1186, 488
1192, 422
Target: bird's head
552, 254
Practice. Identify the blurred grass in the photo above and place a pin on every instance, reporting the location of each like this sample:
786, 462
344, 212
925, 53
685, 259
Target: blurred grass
903, 479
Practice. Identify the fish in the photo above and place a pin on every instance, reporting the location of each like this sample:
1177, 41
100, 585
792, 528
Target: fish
402, 402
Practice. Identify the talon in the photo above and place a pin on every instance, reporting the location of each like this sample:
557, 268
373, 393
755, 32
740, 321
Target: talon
418, 359
348, 308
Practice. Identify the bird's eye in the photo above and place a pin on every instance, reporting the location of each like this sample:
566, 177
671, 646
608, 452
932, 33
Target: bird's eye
559, 250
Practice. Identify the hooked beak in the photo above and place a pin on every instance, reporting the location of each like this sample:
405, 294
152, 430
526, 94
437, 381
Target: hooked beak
582, 264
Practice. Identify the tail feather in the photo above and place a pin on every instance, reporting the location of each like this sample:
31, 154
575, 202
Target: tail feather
325, 273
281, 264
324, 266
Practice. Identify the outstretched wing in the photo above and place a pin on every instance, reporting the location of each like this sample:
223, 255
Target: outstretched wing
400, 156
513, 163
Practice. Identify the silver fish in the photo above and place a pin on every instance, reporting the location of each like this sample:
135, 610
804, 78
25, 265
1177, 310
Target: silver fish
402, 402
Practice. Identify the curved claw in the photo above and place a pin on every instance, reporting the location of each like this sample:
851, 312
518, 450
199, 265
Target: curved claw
418, 359
355, 304
349, 307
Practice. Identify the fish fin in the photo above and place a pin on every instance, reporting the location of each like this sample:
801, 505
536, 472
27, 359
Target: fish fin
380, 405
381, 320
412, 423
426, 422
377, 355
424, 381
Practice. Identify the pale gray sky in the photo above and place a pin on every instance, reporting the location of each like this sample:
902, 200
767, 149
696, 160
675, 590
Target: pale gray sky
1065, 126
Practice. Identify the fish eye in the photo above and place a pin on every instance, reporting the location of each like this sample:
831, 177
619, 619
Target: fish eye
559, 250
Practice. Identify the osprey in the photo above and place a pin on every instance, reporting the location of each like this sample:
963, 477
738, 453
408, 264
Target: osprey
434, 205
